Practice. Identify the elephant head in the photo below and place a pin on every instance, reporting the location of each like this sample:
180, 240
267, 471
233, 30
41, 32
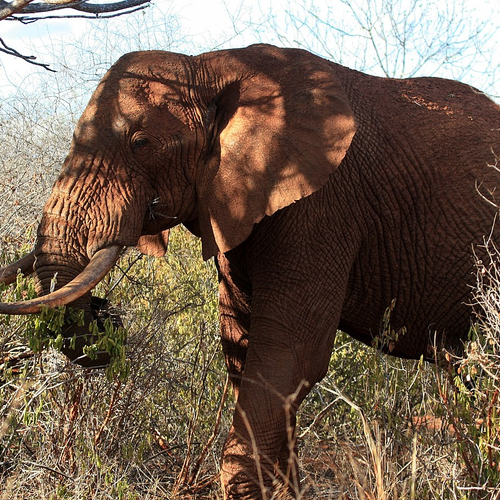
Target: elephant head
216, 142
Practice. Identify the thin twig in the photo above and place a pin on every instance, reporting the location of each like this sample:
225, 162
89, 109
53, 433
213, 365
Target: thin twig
30, 59
108, 414
215, 432
50, 469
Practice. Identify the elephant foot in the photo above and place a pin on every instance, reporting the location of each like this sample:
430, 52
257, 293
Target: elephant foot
287, 473
244, 477
239, 486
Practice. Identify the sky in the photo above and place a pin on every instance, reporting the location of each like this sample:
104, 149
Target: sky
201, 25
206, 21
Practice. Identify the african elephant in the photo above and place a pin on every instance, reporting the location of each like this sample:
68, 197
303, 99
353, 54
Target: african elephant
323, 193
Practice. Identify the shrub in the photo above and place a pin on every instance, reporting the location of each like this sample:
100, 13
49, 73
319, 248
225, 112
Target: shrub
65, 429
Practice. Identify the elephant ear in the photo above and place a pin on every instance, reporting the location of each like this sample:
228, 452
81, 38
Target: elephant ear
154, 244
281, 126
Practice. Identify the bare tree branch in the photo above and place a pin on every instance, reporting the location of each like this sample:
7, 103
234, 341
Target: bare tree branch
9, 8
32, 7
27, 11
13, 52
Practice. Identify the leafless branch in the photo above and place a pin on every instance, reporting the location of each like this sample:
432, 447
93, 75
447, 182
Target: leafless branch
9, 8
27, 11
28, 19
13, 52
33, 8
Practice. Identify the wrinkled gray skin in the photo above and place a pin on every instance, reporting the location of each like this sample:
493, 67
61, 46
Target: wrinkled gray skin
323, 193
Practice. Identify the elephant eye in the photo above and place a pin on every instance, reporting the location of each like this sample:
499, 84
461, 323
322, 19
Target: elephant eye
139, 143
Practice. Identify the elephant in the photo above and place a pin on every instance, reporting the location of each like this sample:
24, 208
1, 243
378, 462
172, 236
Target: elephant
324, 195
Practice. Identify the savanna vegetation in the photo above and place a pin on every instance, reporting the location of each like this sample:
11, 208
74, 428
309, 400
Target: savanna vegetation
153, 424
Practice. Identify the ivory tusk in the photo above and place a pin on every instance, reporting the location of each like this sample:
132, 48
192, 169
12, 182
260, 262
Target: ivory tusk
97, 268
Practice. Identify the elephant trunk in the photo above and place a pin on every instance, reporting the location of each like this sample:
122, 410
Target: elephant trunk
8, 274
76, 294
65, 276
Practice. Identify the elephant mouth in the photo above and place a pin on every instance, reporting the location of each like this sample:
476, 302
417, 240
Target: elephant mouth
102, 310
77, 336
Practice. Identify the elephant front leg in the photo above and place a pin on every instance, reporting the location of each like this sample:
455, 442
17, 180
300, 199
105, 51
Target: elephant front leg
234, 320
259, 454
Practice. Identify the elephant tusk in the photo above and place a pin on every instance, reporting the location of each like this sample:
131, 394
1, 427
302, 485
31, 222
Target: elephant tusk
100, 264
8, 274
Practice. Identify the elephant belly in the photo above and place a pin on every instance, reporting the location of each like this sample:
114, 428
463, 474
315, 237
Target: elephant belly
407, 303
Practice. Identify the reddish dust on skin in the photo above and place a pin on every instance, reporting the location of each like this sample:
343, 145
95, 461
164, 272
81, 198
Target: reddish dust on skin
433, 106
